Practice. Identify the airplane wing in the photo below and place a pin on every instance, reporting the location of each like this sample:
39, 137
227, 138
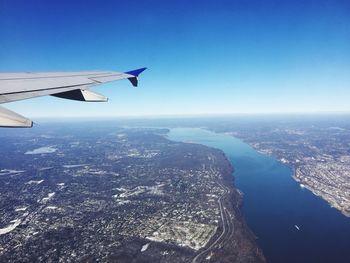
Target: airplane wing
67, 85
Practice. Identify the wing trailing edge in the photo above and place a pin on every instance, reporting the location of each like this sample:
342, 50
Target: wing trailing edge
12, 119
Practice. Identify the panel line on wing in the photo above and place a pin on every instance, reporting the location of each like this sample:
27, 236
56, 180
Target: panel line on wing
60, 87
102, 74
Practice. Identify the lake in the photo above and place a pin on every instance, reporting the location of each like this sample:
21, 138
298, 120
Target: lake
274, 204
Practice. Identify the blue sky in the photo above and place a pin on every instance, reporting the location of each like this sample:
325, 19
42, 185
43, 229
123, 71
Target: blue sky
204, 57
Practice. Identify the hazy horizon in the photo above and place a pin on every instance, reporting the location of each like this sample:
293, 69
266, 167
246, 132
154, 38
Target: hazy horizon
199, 115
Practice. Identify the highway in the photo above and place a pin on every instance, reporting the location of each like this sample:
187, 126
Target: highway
227, 226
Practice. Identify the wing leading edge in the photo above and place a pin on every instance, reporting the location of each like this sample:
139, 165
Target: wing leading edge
72, 85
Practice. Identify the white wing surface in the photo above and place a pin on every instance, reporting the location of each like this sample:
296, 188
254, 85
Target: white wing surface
67, 85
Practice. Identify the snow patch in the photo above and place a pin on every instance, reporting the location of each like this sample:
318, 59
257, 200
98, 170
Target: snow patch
35, 182
144, 247
10, 227
49, 196
19, 209
42, 150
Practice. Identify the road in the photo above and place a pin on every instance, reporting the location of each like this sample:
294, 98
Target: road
226, 222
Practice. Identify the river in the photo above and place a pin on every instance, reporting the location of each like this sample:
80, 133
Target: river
274, 204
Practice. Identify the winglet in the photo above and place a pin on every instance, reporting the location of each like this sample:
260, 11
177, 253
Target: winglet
135, 73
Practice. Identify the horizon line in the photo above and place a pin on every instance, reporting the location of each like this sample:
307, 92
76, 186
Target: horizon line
164, 116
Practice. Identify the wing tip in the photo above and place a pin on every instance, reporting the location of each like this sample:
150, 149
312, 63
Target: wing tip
136, 72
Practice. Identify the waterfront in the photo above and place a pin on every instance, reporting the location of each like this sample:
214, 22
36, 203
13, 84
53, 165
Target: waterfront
274, 204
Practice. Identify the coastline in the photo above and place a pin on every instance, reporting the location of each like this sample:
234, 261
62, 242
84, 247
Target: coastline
238, 195
303, 184
320, 195
233, 241
274, 203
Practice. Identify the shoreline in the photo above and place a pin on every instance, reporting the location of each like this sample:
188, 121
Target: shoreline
234, 201
234, 241
314, 191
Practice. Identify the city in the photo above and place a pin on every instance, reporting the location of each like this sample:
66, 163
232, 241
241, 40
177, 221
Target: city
118, 195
